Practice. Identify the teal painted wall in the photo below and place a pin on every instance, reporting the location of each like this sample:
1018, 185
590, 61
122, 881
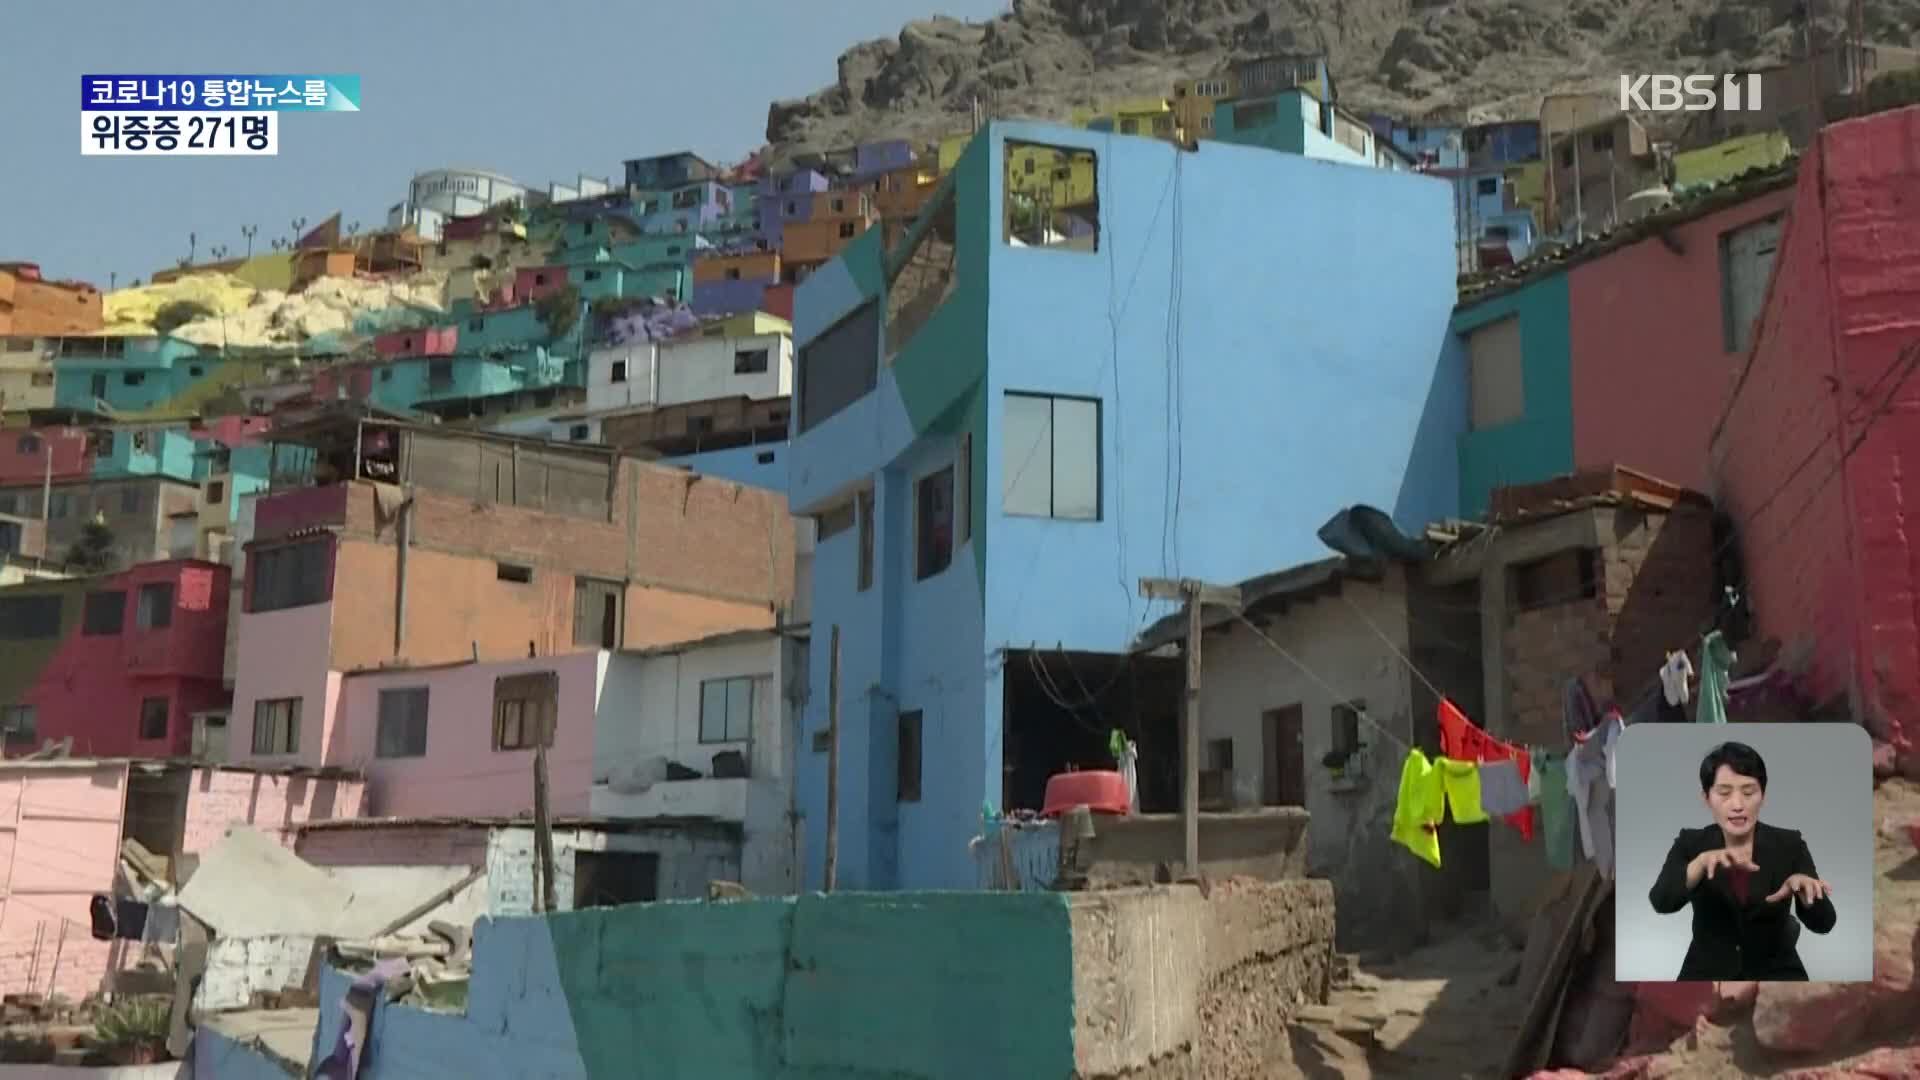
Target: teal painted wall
853, 986
1539, 445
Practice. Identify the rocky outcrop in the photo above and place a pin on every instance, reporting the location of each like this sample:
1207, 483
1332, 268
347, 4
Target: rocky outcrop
1471, 60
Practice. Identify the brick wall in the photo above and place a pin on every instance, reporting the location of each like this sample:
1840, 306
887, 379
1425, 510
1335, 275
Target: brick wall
700, 556
1652, 589
1831, 567
394, 846
275, 804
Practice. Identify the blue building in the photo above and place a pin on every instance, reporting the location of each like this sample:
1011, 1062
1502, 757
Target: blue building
1032, 401
127, 374
1296, 121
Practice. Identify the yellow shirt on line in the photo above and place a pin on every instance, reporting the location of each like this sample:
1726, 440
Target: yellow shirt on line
1428, 790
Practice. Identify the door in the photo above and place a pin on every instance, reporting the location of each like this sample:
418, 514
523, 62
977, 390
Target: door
1285, 757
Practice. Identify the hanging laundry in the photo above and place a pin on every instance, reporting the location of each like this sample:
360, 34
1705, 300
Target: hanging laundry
1587, 786
1536, 771
1556, 813
1716, 670
1502, 792
1577, 709
1417, 813
1463, 740
1461, 779
1675, 675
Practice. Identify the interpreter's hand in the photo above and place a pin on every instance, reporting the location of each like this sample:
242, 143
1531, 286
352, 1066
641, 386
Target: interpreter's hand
1712, 862
1807, 890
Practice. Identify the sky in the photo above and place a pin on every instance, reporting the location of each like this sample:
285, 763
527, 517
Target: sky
538, 94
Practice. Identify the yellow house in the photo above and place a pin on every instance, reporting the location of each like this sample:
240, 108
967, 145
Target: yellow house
747, 324
1152, 117
1729, 158
1526, 189
1070, 178
1193, 102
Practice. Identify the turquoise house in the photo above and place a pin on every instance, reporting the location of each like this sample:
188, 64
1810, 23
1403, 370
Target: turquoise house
172, 452
129, 374
405, 384
1517, 349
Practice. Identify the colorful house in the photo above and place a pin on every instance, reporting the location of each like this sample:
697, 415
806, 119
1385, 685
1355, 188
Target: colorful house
26, 374
1812, 438
978, 488
786, 197
1561, 354
666, 171
1153, 117
837, 216
120, 663
1194, 101
1295, 122
125, 374
733, 282
32, 306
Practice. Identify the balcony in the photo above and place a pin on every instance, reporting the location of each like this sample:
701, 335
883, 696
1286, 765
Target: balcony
717, 799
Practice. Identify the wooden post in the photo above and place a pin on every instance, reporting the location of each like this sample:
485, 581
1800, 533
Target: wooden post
1194, 595
542, 827
833, 760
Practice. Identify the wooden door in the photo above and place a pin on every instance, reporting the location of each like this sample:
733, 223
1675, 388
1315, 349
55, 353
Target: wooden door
1285, 757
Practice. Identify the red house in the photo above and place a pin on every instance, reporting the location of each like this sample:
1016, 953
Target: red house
1816, 453
119, 662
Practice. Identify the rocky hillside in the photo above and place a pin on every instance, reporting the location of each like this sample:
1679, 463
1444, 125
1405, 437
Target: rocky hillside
1462, 60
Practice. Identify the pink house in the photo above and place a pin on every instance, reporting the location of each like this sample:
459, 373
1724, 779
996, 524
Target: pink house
67, 820
120, 663
1817, 449
425, 341
534, 282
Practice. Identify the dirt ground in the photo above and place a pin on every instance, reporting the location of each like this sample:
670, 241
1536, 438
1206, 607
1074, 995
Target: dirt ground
1450, 1010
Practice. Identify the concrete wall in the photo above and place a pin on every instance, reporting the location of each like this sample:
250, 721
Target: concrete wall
701, 369
1830, 564
1629, 333
762, 465
915, 985
461, 774
277, 805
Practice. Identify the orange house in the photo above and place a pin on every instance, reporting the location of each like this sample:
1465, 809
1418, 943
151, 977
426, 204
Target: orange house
737, 266
838, 217
900, 193
31, 306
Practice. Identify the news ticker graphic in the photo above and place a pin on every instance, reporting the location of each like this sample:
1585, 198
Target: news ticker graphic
201, 115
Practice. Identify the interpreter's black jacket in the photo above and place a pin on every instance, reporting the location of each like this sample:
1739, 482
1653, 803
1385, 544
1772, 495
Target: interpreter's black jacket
1751, 941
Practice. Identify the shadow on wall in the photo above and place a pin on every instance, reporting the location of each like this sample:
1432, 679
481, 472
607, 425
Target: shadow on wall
1430, 485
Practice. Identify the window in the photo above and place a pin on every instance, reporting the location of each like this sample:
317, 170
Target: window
541, 279
1129, 126
619, 373
839, 206
578, 433
726, 709
9, 504
1566, 157
840, 366
1344, 738
402, 730
835, 521
863, 505
1062, 214
733, 273
593, 275
104, 614
20, 723
476, 325
1206, 123
1603, 141
291, 576
846, 229
153, 718
439, 374
42, 378
596, 613
922, 279
933, 514
131, 500
276, 726
963, 490
216, 492
59, 504
1256, 114
1746, 261
519, 575
28, 444
525, 708
97, 385
907, 775
792, 208
1494, 374
1052, 457
134, 378
154, 609
1487, 185
750, 362
1557, 579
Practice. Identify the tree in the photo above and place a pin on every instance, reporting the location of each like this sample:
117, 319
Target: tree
559, 311
173, 316
93, 552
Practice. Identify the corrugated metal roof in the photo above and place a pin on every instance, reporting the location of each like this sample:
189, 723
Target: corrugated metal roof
1700, 202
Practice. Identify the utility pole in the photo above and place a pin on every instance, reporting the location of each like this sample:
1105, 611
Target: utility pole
542, 827
833, 760
1194, 596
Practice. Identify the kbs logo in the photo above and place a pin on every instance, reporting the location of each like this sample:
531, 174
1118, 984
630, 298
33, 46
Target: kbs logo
1691, 93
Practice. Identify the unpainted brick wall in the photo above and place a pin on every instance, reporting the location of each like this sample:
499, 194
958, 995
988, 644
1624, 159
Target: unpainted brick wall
1832, 568
700, 556
1652, 592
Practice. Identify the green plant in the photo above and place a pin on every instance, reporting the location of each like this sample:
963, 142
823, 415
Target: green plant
179, 313
133, 1021
559, 311
93, 552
